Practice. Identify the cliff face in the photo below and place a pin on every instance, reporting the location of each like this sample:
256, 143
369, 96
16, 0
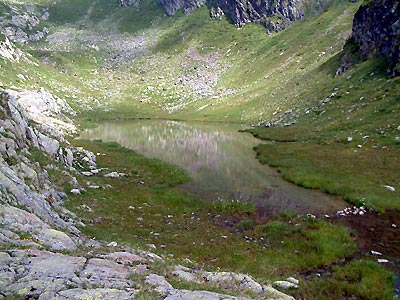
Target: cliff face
134, 3
172, 6
376, 32
274, 15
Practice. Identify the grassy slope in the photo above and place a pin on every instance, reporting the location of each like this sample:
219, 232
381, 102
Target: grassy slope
272, 73
319, 155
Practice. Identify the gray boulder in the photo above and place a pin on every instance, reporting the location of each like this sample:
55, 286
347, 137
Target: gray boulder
95, 294
20, 221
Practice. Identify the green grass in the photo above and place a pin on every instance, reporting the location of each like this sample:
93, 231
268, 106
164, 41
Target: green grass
62, 12
145, 208
315, 153
359, 279
183, 224
357, 174
231, 207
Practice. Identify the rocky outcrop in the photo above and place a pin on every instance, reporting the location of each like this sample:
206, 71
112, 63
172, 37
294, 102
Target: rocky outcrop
274, 15
133, 3
172, 6
41, 234
22, 26
9, 52
376, 32
24, 182
40, 274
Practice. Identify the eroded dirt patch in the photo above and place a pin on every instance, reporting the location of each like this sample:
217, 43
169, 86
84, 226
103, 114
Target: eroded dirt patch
378, 232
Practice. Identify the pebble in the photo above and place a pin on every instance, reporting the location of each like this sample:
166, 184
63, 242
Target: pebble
376, 253
112, 244
382, 261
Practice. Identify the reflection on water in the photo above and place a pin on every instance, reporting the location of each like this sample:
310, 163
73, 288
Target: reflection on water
219, 159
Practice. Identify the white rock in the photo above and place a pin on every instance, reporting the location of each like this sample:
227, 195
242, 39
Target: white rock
184, 275
161, 284
76, 191
112, 244
349, 139
382, 261
125, 258
85, 173
152, 246
376, 253
390, 188
286, 285
293, 280
114, 175
86, 207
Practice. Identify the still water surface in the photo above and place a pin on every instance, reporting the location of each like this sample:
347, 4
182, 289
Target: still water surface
219, 159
